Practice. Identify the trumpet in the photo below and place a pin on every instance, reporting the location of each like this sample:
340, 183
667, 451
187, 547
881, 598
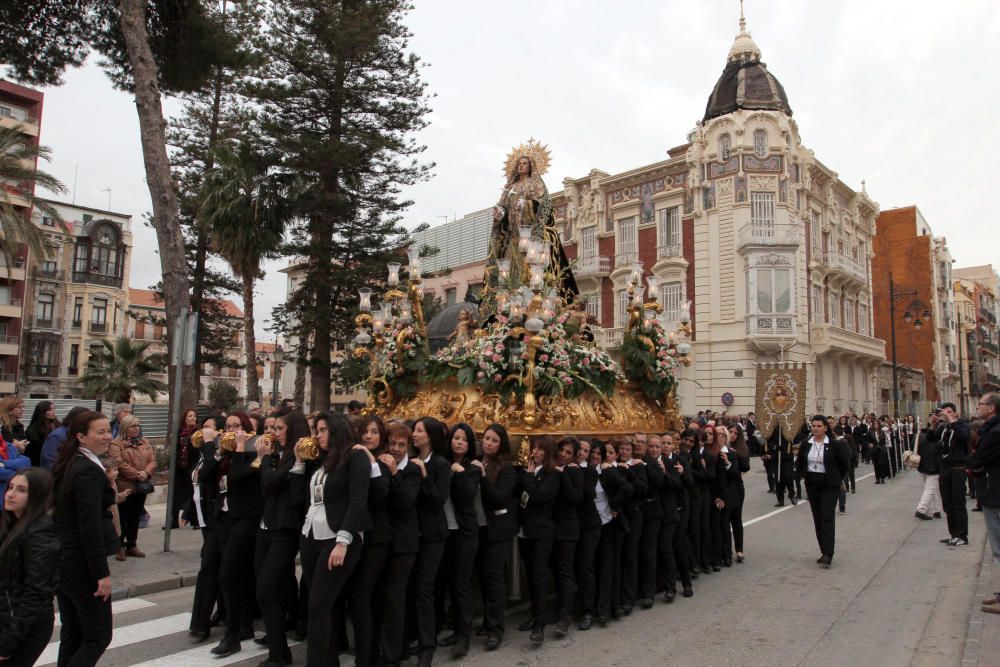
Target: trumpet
228, 442
308, 449
269, 441
198, 439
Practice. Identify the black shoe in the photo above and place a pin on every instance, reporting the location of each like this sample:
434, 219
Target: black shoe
795, 500
562, 627
527, 625
779, 504
481, 631
716, 568
228, 646
260, 641
603, 621
852, 490
585, 623
688, 592
625, 610
936, 515
670, 596
977, 509
825, 561
198, 636
448, 640
695, 574
461, 648
922, 516
728, 562
493, 642
946, 540
705, 570
537, 636
300, 634
646, 603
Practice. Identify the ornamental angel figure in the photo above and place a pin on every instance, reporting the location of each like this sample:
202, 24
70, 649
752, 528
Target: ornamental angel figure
524, 202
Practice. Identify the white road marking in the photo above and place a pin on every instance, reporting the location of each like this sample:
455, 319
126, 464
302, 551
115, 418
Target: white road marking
131, 634
122, 606
803, 501
197, 657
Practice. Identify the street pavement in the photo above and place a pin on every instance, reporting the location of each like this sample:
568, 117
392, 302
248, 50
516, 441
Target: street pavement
894, 596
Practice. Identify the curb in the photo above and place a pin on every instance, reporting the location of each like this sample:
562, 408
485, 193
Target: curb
973, 639
131, 589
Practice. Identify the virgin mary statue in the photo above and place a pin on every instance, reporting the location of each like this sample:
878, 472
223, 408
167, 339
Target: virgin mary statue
524, 202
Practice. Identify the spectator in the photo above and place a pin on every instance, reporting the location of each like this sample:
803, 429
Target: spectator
985, 463
43, 420
121, 411
354, 408
929, 467
55, 439
253, 409
289, 404
136, 465
11, 460
11, 428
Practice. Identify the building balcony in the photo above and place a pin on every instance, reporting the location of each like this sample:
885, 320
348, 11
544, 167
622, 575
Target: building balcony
47, 323
8, 383
8, 345
754, 235
988, 347
10, 307
944, 322
24, 123
768, 333
15, 272
97, 327
987, 315
76, 325
592, 267
42, 371
48, 274
847, 267
830, 339
993, 379
97, 279
951, 367
610, 338
624, 260
669, 251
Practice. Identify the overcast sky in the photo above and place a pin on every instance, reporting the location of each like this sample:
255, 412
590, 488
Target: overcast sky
900, 93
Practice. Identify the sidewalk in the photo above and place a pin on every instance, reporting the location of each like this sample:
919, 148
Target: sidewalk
158, 571
982, 645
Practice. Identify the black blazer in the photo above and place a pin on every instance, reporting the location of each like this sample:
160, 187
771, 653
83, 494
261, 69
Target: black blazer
28, 578
836, 458
378, 505
404, 488
564, 511
618, 489
540, 489
464, 487
345, 494
671, 495
501, 503
586, 511
434, 490
652, 507
85, 532
637, 477
703, 471
244, 495
282, 511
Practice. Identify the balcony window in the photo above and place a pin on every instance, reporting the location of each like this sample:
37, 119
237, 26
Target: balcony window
834, 310
588, 242
621, 308
772, 289
99, 315
626, 242
45, 307
99, 258
849, 315
863, 319
817, 304
671, 298
761, 210
760, 143
594, 307
668, 230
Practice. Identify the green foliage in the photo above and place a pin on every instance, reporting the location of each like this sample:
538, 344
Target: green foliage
352, 371
222, 395
121, 368
649, 363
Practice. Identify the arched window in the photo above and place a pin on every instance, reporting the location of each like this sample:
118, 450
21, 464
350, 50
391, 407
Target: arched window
725, 147
760, 143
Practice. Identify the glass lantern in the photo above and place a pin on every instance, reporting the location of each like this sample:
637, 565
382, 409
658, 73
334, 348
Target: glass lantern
393, 279
523, 237
365, 295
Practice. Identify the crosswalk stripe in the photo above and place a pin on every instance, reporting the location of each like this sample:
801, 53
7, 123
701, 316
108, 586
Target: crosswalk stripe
131, 634
122, 606
198, 657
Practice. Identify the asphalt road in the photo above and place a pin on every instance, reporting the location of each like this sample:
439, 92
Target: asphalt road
894, 596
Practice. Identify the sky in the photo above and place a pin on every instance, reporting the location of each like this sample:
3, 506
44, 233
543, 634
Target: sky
899, 93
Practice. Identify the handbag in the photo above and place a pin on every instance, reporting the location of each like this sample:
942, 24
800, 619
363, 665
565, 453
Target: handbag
144, 487
911, 459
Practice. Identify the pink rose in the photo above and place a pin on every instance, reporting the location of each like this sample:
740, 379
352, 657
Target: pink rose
586, 361
497, 377
497, 358
543, 358
480, 375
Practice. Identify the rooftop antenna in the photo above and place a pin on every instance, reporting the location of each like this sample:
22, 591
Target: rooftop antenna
76, 173
108, 190
743, 21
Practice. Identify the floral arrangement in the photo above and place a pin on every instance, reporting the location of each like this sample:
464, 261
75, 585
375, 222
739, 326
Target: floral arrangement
650, 361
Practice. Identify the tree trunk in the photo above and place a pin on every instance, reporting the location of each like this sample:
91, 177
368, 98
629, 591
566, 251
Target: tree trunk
152, 129
300, 382
321, 264
250, 339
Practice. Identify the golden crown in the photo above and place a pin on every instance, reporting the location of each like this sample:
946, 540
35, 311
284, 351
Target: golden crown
536, 151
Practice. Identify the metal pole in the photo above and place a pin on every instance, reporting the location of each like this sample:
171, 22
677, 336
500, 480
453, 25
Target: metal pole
892, 329
274, 384
180, 336
961, 365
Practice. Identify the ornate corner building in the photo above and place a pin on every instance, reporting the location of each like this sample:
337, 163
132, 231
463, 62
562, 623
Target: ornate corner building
770, 246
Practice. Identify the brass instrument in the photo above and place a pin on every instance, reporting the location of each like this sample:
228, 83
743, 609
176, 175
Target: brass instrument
228, 441
269, 439
308, 449
198, 438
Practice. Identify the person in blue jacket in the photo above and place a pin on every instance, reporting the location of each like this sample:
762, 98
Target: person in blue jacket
55, 439
11, 460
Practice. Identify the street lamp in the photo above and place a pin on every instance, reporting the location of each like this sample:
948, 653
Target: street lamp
278, 356
915, 305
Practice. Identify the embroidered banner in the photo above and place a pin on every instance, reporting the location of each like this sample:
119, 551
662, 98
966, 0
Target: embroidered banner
781, 398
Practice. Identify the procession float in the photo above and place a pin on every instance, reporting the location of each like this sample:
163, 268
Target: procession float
525, 357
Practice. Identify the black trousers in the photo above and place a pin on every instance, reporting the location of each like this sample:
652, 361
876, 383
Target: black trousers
396, 576
784, 484
536, 553
32, 644
630, 557
694, 532
707, 506
952, 484
649, 545
130, 512
183, 492
462, 558
363, 602
609, 567
308, 555
493, 559
681, 549
823, 503
563, 556
665, 563
736, 520
769, 469
326, 587
852, 485
237, 538
206, 587
277, 588
424, 574
86, 620
586, 576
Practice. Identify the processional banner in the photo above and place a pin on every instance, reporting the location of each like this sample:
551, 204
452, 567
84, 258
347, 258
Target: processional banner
781, 398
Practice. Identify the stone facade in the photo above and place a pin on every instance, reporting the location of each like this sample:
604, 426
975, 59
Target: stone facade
980, 308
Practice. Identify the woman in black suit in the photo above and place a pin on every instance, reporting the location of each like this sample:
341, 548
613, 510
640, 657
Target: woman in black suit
88, 538
740, 457
823, 462
278, 537
337, 515
239, 508
540, 483
590, 535
500, 494
639, 480
612, 491
29, 567
463, 535
363, 594
404, 487
430, 438
567, 520
201, 513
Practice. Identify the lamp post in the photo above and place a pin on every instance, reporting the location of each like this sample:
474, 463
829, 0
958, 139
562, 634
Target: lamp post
899, 296
278, 356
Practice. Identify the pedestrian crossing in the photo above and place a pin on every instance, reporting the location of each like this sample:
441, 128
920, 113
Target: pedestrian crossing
131, 634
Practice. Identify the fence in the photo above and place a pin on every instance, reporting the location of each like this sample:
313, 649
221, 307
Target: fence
154, 416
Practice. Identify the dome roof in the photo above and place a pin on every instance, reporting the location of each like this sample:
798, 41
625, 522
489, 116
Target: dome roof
745, 82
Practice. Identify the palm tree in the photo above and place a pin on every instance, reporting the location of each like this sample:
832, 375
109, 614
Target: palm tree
247, 203
18, 177
120, 368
